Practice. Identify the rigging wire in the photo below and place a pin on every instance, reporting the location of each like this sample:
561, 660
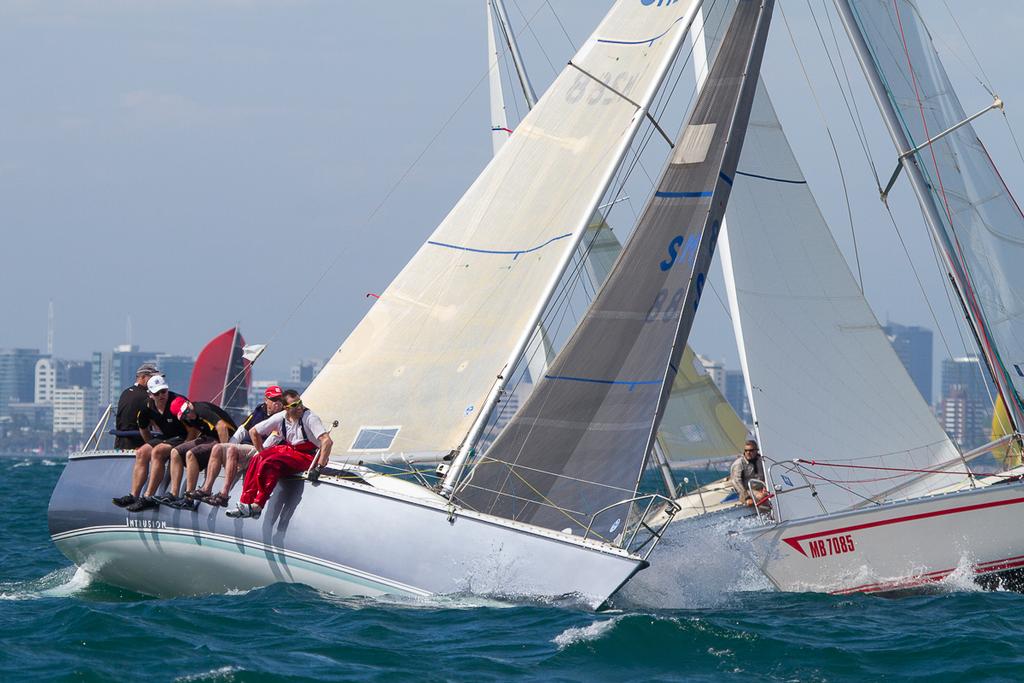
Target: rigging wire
828, 131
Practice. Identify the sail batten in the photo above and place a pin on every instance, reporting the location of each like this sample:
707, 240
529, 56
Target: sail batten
431, 353
580, 441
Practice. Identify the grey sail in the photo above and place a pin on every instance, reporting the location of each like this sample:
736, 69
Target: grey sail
576, 449
979, 225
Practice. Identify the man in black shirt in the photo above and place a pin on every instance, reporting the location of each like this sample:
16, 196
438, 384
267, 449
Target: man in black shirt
156, 415
132, 401
208, 425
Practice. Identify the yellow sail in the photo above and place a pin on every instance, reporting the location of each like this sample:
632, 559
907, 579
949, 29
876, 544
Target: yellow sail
1010, 456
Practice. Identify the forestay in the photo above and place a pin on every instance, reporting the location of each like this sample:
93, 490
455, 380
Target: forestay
412, 376
578, 445
982, 224
824, 381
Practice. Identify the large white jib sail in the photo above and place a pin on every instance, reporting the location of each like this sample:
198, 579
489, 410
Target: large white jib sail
413, 375
825, 383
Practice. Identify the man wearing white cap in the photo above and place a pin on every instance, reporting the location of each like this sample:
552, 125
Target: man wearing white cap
152, 456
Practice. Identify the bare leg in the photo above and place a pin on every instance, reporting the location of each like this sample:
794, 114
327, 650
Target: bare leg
213, 467
157, 467
142, 456
230, 470
192, 471
177, 470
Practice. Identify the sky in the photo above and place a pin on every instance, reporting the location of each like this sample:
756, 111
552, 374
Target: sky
195, 164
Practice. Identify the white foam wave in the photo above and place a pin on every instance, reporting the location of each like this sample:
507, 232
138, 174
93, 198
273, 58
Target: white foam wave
61, 583
224, 673
701, 562
581, 634
961, 579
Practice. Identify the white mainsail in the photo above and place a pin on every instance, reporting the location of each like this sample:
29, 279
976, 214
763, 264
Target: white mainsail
415, 372
824, 381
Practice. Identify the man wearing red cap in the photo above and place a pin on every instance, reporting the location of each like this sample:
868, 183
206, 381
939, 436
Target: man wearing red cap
304, 442
234, 456
211, 425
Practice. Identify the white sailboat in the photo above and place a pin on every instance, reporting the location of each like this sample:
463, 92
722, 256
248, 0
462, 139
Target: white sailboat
869, 494
424, 370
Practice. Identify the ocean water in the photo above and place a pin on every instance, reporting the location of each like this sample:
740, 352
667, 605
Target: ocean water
705, 622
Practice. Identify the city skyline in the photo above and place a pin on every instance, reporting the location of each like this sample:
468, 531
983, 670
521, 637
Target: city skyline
206, 162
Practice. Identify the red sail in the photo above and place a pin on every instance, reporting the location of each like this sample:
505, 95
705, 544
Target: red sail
221, 375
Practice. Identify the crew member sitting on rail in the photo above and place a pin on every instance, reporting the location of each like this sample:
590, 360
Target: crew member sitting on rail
157, 449
746, 473
236, 453
129, 405
211, 425
303, 440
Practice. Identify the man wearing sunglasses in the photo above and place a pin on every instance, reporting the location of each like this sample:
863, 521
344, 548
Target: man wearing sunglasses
303, 442
746, 473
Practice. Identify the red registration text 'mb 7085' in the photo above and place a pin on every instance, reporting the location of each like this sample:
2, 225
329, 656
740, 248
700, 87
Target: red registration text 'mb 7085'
832, 545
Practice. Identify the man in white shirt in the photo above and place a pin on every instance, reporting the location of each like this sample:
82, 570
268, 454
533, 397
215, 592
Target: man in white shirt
303, 441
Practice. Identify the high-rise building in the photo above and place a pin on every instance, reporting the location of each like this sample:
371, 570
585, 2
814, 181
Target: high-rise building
177, 370
966, 405
303, 373
124, 361
715, 369
736, 394
17, 377
76, 373
45, 379
913, 345
74, 410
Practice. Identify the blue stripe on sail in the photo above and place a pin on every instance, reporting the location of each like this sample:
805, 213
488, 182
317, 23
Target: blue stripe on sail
685, 195
514, 253
644, 41
727, 179
774, 180
631, 384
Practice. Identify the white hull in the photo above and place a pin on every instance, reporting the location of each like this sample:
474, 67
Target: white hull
368, 537
898, 546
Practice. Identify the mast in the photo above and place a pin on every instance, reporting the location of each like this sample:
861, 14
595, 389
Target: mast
957, 271
642, 113
513, 46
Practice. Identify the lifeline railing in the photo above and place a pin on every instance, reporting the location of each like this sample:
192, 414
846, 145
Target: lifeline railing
792, 467
671, 508
99, 431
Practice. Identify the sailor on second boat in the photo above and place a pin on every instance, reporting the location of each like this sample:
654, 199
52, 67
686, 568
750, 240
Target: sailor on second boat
303, 439
747, 475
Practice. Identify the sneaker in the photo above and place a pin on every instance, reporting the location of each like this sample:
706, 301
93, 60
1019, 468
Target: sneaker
241, 510
255, 510
123, 501
142, 503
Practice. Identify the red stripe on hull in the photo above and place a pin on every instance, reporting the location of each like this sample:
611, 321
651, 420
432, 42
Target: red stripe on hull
794, 541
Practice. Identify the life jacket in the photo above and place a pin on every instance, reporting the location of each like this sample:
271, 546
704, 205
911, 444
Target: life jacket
305, 446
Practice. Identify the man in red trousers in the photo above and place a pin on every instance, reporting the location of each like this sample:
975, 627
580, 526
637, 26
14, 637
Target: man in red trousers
302, 439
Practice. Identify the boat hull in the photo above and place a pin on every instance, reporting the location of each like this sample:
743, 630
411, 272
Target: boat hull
901, 546
342, 537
